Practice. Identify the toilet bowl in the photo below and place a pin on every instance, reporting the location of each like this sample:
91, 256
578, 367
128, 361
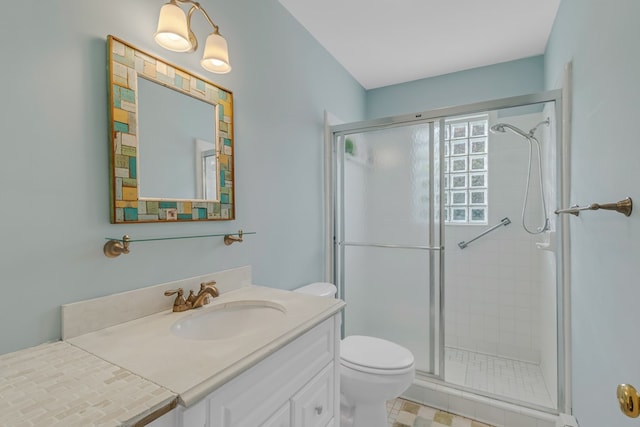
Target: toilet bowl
372, 371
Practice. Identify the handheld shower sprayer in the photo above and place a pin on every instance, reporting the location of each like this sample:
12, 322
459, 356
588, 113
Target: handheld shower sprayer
502, 127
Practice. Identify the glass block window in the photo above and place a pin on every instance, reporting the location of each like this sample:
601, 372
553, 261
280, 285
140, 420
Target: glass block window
466, 170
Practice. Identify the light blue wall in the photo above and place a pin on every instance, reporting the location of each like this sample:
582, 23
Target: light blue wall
54, 174
602, 40
502, 80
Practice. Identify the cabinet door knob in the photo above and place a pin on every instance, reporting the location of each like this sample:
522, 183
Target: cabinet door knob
318, 410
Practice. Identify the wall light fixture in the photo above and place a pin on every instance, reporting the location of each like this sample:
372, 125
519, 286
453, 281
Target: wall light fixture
174, 33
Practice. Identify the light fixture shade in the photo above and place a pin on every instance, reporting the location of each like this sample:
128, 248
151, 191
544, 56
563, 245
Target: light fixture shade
173, 31
216, 54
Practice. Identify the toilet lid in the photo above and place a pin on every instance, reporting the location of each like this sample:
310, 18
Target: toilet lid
321, 289
376, 353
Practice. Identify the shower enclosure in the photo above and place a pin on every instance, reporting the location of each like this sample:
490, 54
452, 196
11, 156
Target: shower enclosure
483, 317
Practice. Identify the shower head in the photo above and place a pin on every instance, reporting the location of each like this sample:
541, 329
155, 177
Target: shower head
502, 127
498, 127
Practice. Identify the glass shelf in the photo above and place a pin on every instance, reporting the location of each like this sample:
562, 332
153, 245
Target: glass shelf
118, 246
152, 239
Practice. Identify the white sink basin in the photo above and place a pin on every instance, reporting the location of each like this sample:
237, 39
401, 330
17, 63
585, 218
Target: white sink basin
230, 320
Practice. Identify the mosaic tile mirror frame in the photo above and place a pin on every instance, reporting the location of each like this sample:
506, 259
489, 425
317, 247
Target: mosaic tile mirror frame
126, 64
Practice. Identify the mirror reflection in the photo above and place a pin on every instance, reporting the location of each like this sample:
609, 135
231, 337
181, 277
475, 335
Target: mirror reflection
176, 154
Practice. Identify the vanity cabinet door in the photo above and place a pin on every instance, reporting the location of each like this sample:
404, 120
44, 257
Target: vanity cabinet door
313, 405
282, 418
251, 398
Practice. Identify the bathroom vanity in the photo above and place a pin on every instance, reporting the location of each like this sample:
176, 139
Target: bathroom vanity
253, 356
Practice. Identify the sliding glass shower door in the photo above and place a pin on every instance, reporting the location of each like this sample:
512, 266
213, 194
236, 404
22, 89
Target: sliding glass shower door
388, 236
395, 181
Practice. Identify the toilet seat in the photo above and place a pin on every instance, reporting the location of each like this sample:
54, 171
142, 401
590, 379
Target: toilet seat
375, 356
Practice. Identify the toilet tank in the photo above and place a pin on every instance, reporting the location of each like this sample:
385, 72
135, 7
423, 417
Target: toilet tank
321, 289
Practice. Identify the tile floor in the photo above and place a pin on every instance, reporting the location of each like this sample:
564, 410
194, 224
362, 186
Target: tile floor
504, 377
403, 413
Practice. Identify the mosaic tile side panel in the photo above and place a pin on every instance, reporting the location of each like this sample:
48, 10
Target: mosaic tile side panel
127, 63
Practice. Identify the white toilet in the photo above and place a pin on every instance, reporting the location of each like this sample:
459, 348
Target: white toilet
372, 371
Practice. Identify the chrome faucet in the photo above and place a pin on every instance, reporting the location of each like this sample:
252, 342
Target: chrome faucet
207, 291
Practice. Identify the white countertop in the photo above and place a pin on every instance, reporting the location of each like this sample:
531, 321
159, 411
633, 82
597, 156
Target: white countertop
194, 368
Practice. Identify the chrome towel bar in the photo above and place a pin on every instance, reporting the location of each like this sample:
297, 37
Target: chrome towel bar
504, 221
624, 206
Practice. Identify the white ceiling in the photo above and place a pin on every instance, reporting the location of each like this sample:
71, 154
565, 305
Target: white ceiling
385, 42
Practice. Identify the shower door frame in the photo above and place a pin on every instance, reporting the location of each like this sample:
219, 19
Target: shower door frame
335, 222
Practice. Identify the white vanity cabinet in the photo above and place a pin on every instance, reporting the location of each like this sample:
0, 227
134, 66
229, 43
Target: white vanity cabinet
295, 386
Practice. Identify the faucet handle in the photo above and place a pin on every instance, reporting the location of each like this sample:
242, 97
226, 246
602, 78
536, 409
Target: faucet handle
179, 304
210, 284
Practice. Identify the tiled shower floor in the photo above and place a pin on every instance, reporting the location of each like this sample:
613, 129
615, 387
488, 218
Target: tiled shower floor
513, 379
402, 413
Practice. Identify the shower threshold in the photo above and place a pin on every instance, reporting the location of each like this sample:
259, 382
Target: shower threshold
482, 405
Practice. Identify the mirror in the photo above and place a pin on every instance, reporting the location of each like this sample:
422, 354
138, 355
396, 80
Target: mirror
171, 141
174, 129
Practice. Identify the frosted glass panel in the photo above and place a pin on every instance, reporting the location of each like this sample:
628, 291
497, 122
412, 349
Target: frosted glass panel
387, 295
386, 186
